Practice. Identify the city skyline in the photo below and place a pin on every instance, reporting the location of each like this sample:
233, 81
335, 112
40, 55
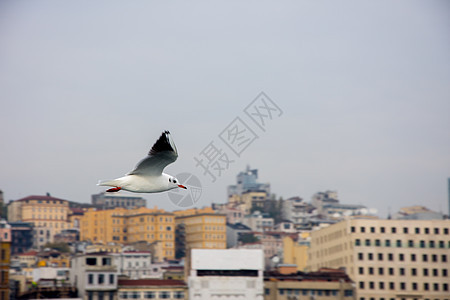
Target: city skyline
363, 90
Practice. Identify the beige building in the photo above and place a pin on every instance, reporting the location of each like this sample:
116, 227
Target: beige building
48, 214
152, 289
387, 259
326, 284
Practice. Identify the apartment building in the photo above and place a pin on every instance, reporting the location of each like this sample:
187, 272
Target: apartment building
387, 259
95, 276
113, 200
48, 214
225, 274
127, 226
201, 228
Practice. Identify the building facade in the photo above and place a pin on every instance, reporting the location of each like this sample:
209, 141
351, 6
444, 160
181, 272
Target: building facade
113, 200
5, 258
226, 274
46, 213
387, 259
152, 289
128, 226
202, 229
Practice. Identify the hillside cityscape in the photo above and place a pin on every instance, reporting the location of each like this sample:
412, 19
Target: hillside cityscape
253, 246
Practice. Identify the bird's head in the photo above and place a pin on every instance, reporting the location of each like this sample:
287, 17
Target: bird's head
173, 182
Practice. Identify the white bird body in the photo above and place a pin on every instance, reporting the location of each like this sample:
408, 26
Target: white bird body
147, 176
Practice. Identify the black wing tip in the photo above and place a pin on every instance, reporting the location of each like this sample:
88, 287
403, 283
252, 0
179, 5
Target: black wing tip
162, 144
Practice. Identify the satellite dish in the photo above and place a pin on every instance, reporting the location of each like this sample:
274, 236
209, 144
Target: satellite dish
275, 259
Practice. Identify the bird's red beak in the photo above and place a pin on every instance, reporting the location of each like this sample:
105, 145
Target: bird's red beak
182, 186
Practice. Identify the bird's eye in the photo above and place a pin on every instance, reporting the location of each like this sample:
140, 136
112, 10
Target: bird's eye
174, 181
170, 180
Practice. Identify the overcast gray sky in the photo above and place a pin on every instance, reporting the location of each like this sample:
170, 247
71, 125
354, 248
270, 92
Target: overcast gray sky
87, 87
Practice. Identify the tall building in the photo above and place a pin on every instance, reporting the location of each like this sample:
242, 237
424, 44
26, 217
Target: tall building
113, 200
200, 228
226, 274
48, 214
22, 234
387, 259
127, 226
246, 181
448, 187
5, 258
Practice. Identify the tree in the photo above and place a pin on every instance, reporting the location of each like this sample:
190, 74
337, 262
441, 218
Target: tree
248, 238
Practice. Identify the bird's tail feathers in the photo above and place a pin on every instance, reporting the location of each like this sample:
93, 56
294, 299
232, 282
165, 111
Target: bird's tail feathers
106, 183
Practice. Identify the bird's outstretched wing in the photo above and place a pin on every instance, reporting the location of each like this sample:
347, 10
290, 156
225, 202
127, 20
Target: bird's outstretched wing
162, 153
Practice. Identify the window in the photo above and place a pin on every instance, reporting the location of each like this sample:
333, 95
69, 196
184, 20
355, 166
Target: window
426, 286
361, 285
381, 285
388, 243
414, 286
424, 257
180, 294
436, 230
425, 272
431, 244
360, 256
405, 230
371, 285
434, 258
444, 258
391, 285
417, 230
441, 244
436, 286
101, 278
370, 256
111, 278
393, 230
444, 272
367, 242
382, 230
91, 261
422, 244
427, 230
410, 243
380, 271
402, 285
91, 279
363, 229
413, 272
149, 295
402, 271
380, 256
357, 242
135, 295
401, 257
352, 229
390, 256
90, 295
360, 270
413, 257
399, 243
372, 229
370, 271
445, 287
445, 230
391, 271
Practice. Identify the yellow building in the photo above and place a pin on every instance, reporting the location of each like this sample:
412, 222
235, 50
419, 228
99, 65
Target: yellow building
48, 214
128, 226
295, 252
202, 228
152, 289
5, 259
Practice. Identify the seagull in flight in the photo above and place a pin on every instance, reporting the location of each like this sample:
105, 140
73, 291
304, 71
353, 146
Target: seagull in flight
148, 176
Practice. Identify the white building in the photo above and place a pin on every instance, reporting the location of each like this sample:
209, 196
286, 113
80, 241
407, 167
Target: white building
297, 211
94, 275
226, 274
134, 264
